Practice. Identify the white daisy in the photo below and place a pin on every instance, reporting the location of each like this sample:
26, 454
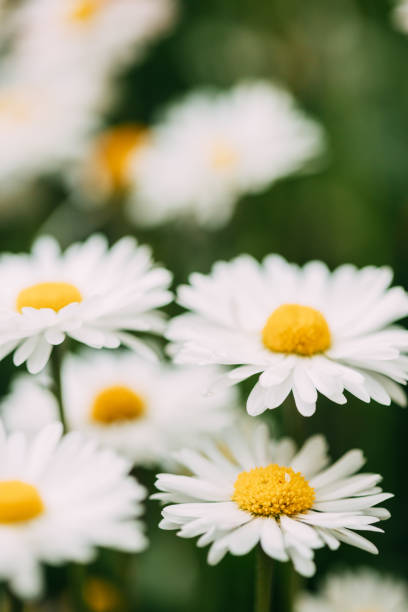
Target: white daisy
401, 15
265, 491
304, 330
44, 121
71, 34
91, 293
211, 148
59, 499
103, 170
144, 410
30, 405
363, 590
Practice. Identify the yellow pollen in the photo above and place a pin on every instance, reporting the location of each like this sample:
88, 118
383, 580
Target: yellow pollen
19, 502
112, 153
48, 295
223, 156
117, 404
273, 491
85, 10
293, 328
102, 596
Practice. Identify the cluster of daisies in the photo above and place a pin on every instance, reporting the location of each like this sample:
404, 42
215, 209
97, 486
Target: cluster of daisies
210, 148
81, 420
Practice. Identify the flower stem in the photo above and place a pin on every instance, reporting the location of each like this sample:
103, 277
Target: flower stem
14, 604
263, 582
56, 366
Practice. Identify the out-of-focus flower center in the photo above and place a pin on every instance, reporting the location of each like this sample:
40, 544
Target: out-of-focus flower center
19, 502
117, 404
293, 328
85, 10
102, 596
112, 152
48, 295
223, 156
273, 491
13, 106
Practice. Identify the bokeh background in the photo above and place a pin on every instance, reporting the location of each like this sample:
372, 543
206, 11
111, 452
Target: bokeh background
345, 62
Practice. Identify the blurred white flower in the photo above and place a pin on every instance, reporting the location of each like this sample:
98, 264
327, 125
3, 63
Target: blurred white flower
401, 15
102, 171
59, 500
264, 491
91, 293
211, 148
143, 410
44, 123
30, 405
360, 590
88, 35
304, 330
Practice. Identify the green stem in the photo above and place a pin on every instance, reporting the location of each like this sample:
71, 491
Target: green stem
263, 582
56, 367
14, 604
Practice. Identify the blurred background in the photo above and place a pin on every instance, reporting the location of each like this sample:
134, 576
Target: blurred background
345, 63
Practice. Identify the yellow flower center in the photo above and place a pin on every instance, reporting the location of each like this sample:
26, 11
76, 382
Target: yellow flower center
112, 153
223, 156
19, 501
48, 295
85, 10
292, 328
102, 596
272, 491
117, 404
14, 106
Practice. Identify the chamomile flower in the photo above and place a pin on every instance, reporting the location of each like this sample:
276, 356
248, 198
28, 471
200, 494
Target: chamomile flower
265, 491
59, 500
103, 171
30, 405
143, 410
211, 148
83, 34
401, 15
304, 330
363, 590
91, 293
45, 122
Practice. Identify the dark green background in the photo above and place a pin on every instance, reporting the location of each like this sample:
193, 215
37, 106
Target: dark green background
347, 65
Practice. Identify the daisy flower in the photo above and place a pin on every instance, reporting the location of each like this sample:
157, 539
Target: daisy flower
91, 293
304, 330
103, 170
211, 148
141, 409
59, 500
362, 590
262, 491
38, 141
30, 405
84, 33
401, 15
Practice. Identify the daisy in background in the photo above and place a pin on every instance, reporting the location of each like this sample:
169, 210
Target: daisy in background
401, 15
59, 500
265, 491
103, 171
92, 293
72, 35
302, 330
141, 409
211, 148
361, 590
46, 122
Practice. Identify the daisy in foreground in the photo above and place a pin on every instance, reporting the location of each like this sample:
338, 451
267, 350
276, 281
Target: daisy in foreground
304, 330
262, 491
59, 500
363, 590
91, 293
211, 148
